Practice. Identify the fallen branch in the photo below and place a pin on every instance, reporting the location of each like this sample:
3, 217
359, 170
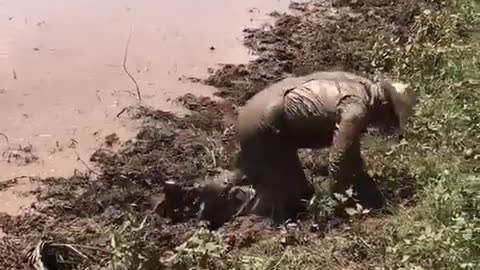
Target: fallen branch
212, 154
122, 111
124, 65
141, 226
85, 164
281, 259
6, 137
72, 249
35, 257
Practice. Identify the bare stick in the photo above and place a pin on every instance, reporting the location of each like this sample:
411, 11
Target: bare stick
84, 163
76, 251
212, 154
6, 137
82, 247
125, 67
122, 111
141, 225
281, 259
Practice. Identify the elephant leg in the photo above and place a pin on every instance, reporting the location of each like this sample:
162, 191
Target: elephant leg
293, 189
285, 184
273, 167
367, 191
345, 177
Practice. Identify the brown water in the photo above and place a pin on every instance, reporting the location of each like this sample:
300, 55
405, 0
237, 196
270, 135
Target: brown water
61, 77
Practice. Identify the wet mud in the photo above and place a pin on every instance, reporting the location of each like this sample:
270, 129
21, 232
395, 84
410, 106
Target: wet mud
127, 179
63, 83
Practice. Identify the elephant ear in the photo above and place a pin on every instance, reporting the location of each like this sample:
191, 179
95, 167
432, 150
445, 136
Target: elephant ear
403, 99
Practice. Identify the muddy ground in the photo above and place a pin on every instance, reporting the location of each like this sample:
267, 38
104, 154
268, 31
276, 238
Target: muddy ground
119, 193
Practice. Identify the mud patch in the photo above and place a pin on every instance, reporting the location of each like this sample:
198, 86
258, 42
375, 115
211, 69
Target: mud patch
322, 37
87, 207
16, 195
109, 213
19, 155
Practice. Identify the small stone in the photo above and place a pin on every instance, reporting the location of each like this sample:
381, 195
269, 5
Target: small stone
468, 153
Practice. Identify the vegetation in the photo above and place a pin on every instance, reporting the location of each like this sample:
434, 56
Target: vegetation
430, 178
441, 59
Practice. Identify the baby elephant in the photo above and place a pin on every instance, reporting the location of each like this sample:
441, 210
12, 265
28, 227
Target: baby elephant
323, 109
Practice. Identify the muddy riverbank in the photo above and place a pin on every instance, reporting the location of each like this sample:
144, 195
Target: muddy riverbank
113, 200
62, 82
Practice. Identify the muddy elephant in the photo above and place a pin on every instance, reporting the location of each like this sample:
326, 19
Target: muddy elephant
323, 109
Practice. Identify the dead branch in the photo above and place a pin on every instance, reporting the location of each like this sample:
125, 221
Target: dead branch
6, 137
122, 111
85, 164
124, 65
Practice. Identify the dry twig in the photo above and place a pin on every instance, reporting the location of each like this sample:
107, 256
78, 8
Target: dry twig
6, 137
124, 65
85, 164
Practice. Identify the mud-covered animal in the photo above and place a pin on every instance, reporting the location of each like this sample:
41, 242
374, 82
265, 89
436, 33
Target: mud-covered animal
215, 199
221, 198
222, 201
323, 109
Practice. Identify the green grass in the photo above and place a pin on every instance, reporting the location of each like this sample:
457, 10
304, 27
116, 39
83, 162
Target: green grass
443, 230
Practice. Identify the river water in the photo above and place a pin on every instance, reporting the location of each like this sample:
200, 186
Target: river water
62, 82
